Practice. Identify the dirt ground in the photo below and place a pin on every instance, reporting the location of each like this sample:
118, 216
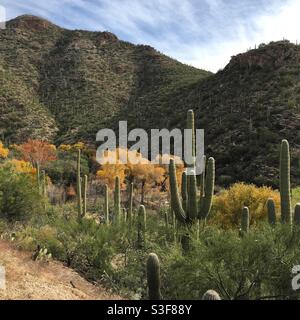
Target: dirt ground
30, 280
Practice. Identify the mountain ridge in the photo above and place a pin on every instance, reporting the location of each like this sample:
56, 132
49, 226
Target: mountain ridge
78, 82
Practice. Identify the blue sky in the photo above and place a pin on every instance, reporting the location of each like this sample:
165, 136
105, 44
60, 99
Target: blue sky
202, 33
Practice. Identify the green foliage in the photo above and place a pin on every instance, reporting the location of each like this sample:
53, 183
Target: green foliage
63, 169
254, 267
19, 196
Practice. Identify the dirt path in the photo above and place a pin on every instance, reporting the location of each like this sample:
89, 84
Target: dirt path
29, 280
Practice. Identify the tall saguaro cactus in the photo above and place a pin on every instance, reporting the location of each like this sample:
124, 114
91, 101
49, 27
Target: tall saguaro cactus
106, 204
117, 200
285, 183
153, 277
188, 207
84, 187
79, 198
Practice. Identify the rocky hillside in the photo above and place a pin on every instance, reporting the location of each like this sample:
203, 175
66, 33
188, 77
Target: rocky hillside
36, 280
66, 85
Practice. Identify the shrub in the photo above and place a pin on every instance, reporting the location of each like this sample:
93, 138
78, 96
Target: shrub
19, 196
257, 266
228, 205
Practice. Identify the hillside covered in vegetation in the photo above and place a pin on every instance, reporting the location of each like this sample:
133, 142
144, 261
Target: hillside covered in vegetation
64, 86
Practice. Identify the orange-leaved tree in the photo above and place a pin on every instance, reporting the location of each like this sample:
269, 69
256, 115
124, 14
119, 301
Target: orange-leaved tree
37, 152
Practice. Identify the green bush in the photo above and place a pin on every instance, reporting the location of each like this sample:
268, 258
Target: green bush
19, 196
257, 266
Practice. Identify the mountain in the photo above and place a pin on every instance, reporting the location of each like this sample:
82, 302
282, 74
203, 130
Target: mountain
65, 85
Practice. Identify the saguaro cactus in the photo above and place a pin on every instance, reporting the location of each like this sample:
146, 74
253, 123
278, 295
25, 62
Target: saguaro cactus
153, 277
130, 202
141, 225
44, 184
297, 214
106, 204
84, 187
245, 220
271, 211
285, 184
117, 199
190, 209
79, 199
211, 295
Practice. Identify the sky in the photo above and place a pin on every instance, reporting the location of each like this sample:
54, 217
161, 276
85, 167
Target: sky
201, 33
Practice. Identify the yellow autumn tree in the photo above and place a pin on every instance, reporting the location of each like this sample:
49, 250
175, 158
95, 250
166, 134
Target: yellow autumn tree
21, 166
3, 151
113, 166
133, 167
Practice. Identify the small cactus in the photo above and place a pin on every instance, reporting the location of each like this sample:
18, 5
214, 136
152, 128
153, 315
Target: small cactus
106, 204
153, 277
44, 184
245, 220
117, 198
130, 202
271, 212
211, 295
297, 214
141, 225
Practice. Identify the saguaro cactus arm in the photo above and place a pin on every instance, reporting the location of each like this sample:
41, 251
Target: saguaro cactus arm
175, 199
184, 191
206, 201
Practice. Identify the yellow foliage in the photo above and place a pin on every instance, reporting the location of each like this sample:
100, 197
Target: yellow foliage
21, 166
65, 147
130, 164
78, 146
3, 151
228, 205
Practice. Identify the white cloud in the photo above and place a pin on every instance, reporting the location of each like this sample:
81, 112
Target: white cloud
202, 33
